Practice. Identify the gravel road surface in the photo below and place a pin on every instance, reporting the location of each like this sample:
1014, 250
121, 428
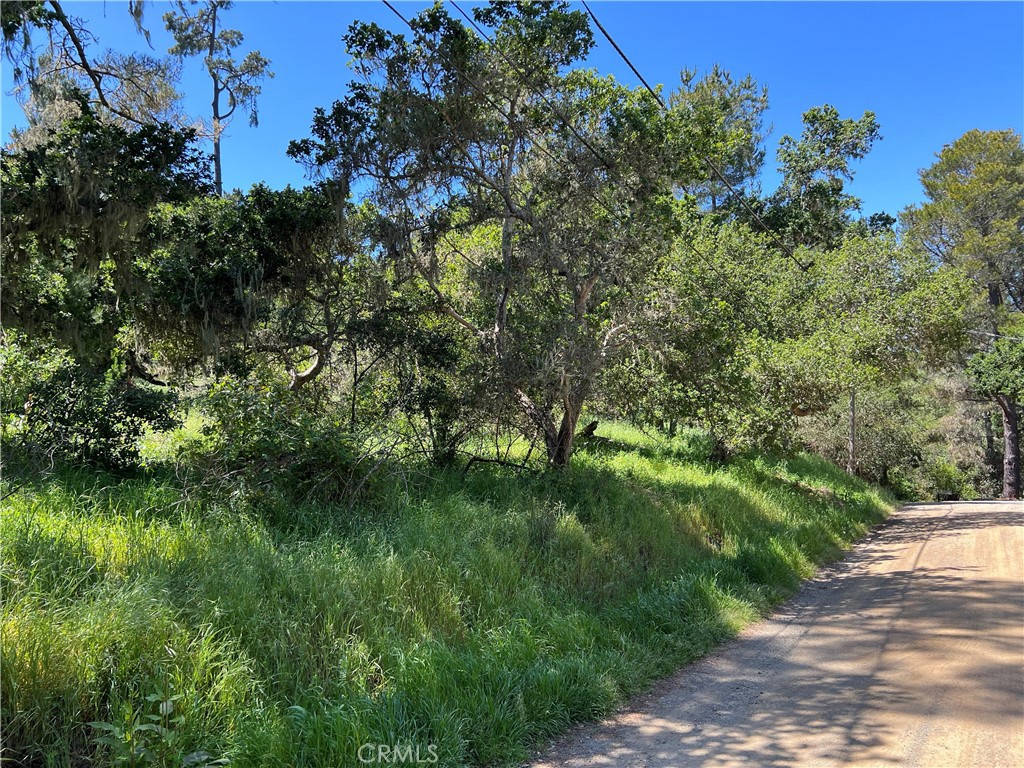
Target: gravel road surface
909, 652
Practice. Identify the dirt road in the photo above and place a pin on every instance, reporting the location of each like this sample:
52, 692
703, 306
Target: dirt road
910, 652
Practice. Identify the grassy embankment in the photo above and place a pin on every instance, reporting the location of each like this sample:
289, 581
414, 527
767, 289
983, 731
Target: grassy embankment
479, 616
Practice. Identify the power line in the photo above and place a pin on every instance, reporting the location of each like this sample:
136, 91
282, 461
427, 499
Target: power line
469, 81
523, 78
714, 169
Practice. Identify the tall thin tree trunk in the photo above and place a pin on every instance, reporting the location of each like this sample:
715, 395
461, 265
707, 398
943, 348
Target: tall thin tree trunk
851, 443
218, 181
355, 388
992, 459
1011, 447
1011, 426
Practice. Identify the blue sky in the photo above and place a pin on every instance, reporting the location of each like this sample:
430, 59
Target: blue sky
930, 71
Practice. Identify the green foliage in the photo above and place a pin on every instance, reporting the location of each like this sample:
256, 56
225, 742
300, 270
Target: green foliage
1000, 369
690, 349
265, 275
916, 437
93, 178
481, 615
890, 433
75, 210
874, 312
811, 206
944, 480
974, 212
150, 739
204, 280
77, 652
722, 120
63, 409
877, 308
267, 448
23, 365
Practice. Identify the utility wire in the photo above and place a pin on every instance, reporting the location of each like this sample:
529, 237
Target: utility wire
523, 76
539, 145
714, 169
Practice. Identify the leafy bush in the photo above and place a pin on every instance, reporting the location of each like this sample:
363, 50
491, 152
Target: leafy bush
891, 433
70, 411
23, 365
914, 438
266, 444
945, 480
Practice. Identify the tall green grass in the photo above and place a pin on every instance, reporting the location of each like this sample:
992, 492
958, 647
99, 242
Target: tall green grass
476, 615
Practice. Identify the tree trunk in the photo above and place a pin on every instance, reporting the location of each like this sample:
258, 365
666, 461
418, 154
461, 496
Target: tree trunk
993, 461
1011, 447
560, 451
851, 444
557, 441
298, 378
218, 181
995, 295
355, 389
1011, 434
541, 419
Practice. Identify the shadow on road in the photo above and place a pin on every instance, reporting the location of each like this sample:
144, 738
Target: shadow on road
893, 635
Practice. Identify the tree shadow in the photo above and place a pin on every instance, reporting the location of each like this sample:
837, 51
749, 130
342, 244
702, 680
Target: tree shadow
836, 676
690, 450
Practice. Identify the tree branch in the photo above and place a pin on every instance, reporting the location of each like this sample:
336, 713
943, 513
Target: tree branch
298, 378
83, 61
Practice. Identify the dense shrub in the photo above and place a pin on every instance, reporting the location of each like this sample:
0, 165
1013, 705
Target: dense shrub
70, 411
912, 438
266, 444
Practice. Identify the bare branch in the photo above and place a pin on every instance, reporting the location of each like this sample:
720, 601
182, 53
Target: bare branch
83, 60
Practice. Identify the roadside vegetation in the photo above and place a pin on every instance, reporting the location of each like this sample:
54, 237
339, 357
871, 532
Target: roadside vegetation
531, 395
479, 614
